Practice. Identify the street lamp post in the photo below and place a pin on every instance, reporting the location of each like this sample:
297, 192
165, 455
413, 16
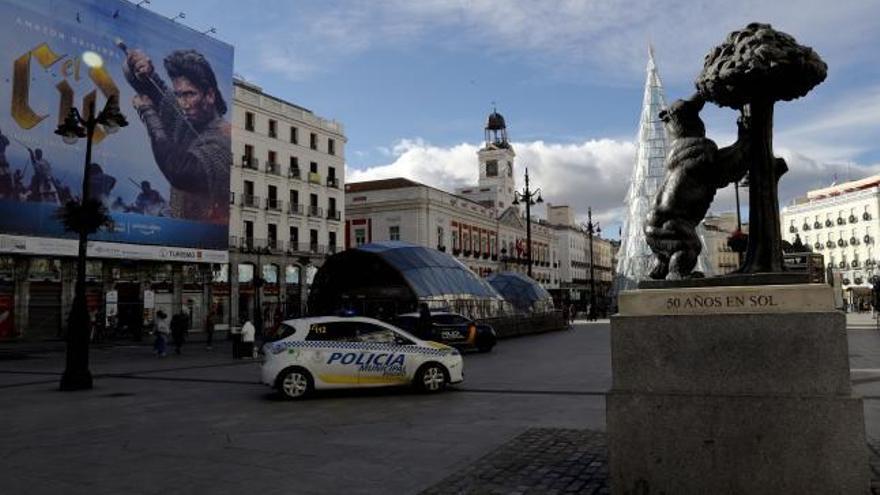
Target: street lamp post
591, 229
76, 372
529, 197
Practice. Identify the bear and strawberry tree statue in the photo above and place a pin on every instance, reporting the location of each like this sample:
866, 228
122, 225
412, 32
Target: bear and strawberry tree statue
750, 71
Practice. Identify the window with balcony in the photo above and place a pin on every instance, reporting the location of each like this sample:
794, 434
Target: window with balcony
248, 160
314, 176
294, 135
331, 146
294, 237
295, 207
331, 241
394, 233
273, 128
249, 121
272, 236
248, 234
313, 240
332, 213
441, 240
248, 198
314, 209
313, 141
272, 201
293, 171
332, 181
272, 163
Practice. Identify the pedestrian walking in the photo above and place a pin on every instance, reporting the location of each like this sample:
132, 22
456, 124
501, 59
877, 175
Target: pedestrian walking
424, 326
209, 331
179, 328
247, 339
162, 331
572, 312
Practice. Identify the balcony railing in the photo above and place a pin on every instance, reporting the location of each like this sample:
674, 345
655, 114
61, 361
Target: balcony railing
315, 211
250, 162
333, 215
314, 177
308, 247
294, 173
333, 182
250, 201
295, 209
252, 244
273, 168
274, 204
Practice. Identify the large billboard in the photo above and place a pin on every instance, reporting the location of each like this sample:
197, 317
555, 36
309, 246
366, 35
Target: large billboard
165, 177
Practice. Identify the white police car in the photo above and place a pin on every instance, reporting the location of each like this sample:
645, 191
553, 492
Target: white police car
344, 352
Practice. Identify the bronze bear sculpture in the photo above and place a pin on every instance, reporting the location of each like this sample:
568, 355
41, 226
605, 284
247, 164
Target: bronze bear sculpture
695, 170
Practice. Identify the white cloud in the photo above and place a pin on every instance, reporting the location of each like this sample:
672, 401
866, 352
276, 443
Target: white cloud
573, 39
594, 173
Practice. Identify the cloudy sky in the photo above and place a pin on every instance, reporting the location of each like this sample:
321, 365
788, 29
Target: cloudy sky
413, 82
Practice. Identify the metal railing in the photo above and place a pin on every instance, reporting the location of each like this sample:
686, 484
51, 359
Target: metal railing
294, 173
250, 162
274, 204
334, 215
250, 201
273, 168
315, 211
333, 182
295, 209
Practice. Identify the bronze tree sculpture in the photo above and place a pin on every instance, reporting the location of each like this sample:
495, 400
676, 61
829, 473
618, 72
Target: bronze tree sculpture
752, 70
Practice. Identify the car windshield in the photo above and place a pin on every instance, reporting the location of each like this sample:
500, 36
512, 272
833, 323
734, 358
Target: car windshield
283, 331
403, 333
449, 319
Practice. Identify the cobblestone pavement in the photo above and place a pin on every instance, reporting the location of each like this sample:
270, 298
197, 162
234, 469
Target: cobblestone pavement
539, 461
556, 461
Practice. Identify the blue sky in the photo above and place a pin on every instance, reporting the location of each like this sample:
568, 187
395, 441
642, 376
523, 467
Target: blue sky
413, 81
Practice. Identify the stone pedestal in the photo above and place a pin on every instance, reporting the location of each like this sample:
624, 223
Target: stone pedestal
733, 390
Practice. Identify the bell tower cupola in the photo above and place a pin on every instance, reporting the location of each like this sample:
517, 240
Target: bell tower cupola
496, 164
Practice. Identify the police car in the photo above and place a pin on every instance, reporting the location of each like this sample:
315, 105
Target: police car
343, 352
450, 328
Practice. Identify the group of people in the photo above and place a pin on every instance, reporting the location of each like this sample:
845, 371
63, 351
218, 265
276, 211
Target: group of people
569, 312
177, 328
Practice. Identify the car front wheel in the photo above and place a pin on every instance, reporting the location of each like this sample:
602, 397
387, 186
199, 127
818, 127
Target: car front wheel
295, 383
431, 378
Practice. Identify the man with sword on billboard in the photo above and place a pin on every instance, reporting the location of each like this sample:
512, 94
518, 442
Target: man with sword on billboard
191, 141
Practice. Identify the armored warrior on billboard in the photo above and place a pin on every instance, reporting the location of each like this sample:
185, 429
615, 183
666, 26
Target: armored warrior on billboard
42, 188
190, 139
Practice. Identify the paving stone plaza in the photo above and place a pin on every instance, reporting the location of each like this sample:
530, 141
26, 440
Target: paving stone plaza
200, 422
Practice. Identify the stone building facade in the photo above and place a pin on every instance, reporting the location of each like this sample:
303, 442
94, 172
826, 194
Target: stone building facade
286, 204
841, 223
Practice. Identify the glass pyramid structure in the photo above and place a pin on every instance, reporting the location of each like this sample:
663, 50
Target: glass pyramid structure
634, 259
